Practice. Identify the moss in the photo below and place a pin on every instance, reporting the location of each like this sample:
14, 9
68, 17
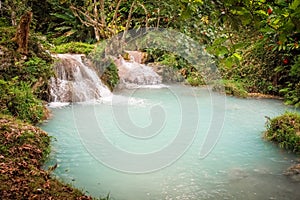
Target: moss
74, 47
285, 130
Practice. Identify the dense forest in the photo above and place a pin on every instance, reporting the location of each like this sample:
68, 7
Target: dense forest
255, 44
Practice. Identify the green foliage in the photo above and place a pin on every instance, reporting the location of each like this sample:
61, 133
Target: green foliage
285, 130
190, 73
4, 22
232, 87
291, 91
23, 79
257, 45
34, 69
13, 10
74, 47
67, 27
35, 72
18, 100
7, 33
292, 94
99, 52
110, 75
195, 79
105, 66
169, 59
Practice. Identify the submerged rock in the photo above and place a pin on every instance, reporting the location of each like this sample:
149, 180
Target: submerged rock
293, 172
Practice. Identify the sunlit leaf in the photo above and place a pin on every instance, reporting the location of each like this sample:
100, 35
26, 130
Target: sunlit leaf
295, 4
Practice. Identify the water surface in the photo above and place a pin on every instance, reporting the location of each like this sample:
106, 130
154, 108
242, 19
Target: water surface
241, 165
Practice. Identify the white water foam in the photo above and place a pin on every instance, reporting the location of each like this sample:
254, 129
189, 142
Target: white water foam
75, 81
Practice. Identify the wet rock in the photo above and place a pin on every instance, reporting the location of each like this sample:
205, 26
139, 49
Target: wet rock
75, 80
132, 72
293, 172
136, 56
168, 74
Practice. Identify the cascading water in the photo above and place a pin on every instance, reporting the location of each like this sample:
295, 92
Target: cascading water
133, 73
75, 81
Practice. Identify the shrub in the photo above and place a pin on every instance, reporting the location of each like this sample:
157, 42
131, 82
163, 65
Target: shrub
285, 130
18, 100
74, 47
35, 72
195, 79
292, 94
232, 87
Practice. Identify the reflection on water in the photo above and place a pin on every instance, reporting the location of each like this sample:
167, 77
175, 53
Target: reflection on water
241, 166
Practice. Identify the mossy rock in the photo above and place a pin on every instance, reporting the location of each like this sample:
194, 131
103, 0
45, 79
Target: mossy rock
110, 76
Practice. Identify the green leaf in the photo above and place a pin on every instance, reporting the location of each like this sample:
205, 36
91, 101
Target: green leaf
220, 40
279, 68
239, 45
295, 4
229, 62
198, 1
221, 51
238, 56
63, 28
261, 12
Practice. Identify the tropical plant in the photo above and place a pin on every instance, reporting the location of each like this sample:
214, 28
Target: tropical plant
67, 27
285, 130
18, 100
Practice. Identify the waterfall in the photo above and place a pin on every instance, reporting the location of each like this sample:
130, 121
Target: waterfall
75, 81
133, 73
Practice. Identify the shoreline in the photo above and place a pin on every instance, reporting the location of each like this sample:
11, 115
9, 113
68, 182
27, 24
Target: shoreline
264, 96
23, 150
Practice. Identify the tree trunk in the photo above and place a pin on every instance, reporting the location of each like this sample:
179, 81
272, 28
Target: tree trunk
22, 34
97, 34
13, 18
128, 21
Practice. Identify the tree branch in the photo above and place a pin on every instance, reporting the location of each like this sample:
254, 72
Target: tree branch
113, 22
128, 20
102, 12
146, 13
